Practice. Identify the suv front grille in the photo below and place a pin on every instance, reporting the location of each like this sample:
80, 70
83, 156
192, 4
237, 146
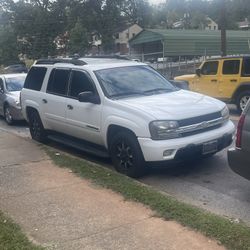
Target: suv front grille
200, 124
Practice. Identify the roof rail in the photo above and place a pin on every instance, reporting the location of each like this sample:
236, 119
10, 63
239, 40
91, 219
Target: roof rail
108, 57
58, 60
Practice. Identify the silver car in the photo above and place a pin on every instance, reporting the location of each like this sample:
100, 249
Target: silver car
239, 157
10, 88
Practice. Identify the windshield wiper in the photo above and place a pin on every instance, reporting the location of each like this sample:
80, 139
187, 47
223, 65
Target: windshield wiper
157, 90
131, 93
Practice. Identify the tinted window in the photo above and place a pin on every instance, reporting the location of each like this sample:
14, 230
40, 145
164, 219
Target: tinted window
1, 85
231, 67
210, 68
15, 83
34, 79
79, 83
246, 67
58, 81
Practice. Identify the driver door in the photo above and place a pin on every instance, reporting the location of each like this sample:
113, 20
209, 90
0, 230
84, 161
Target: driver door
208, 82
83, 119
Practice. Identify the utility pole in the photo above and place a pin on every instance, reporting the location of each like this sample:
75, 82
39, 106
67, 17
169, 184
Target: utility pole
223, 24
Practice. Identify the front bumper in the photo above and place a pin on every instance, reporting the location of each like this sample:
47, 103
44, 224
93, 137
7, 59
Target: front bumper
16, 113
239, 162
180, 148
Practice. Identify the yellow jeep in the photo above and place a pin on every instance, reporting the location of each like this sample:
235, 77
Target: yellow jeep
227, 79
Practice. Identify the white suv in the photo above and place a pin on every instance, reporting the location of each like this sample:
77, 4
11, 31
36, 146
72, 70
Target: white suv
122, 109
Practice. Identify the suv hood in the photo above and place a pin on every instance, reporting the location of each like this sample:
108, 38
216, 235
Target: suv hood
176, 105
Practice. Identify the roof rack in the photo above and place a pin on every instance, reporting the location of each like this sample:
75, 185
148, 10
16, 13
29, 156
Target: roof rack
108, 57
54, 61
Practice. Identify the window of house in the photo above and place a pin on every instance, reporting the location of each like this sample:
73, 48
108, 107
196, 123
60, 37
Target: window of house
58, 81
127, 35
117, 36
133, 34
79, 83
231, 67
246, 67
210, 68
34, 79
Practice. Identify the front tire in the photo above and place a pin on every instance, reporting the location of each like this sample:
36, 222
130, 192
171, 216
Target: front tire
37, 130
7, 115
126, 154
242, 100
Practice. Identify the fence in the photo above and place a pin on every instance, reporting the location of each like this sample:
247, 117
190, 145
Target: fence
170, 66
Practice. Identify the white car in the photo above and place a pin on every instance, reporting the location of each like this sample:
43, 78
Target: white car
122, 109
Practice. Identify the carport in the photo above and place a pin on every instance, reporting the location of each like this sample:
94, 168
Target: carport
174, 43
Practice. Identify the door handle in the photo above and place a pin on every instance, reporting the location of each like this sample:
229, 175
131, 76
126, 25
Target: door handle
214, 80
45, 101
70, 107
233, 80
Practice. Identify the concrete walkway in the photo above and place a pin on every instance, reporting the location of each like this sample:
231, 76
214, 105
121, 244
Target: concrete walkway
59, 210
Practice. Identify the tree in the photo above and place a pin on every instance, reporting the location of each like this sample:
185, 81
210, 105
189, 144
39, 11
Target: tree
8, 45
78, 39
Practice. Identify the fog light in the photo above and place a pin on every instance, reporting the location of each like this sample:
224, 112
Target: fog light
168, 152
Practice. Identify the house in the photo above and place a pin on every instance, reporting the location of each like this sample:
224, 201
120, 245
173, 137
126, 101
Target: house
244, 25
123, 36
96, 43
211, 24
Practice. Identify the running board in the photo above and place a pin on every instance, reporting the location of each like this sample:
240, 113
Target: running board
80, 145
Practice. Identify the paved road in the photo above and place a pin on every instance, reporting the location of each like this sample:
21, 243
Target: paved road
209, 184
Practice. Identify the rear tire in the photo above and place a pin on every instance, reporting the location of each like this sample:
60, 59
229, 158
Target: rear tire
126, 154
242, 99
37, 130
7, 115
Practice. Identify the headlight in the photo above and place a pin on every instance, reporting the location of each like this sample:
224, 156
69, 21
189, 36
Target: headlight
162, 130
225, 114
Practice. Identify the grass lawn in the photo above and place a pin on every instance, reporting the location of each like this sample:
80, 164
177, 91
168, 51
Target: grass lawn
12, 238
231, 235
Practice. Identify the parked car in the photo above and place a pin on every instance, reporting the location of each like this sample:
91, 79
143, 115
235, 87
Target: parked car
239, 157
227, 79
122, 109
16, 68
10, 87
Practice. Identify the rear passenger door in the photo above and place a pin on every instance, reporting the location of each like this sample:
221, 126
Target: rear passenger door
54, 101
230, 78
83, 119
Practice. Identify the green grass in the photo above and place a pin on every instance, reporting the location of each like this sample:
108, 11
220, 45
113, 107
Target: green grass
231, 235
12, 238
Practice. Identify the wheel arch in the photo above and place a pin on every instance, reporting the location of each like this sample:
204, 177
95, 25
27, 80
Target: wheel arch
243, 87
114, 129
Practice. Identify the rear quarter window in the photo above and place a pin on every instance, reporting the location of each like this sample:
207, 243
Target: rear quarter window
35, 77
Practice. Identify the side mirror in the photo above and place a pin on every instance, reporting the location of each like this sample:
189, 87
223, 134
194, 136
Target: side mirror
89, 97
198, 72
1, 90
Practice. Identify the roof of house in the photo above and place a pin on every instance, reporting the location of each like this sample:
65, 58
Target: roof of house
194, 42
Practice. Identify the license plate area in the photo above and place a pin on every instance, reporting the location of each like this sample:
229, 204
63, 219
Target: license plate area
210, 147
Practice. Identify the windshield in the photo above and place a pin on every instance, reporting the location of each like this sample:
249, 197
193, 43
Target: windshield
15, 83
132, 80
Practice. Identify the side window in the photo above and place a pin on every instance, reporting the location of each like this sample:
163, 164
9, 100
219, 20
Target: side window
231, 67
210, 68
58, 81
246, 67
34, 79
80, 83
1, 86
